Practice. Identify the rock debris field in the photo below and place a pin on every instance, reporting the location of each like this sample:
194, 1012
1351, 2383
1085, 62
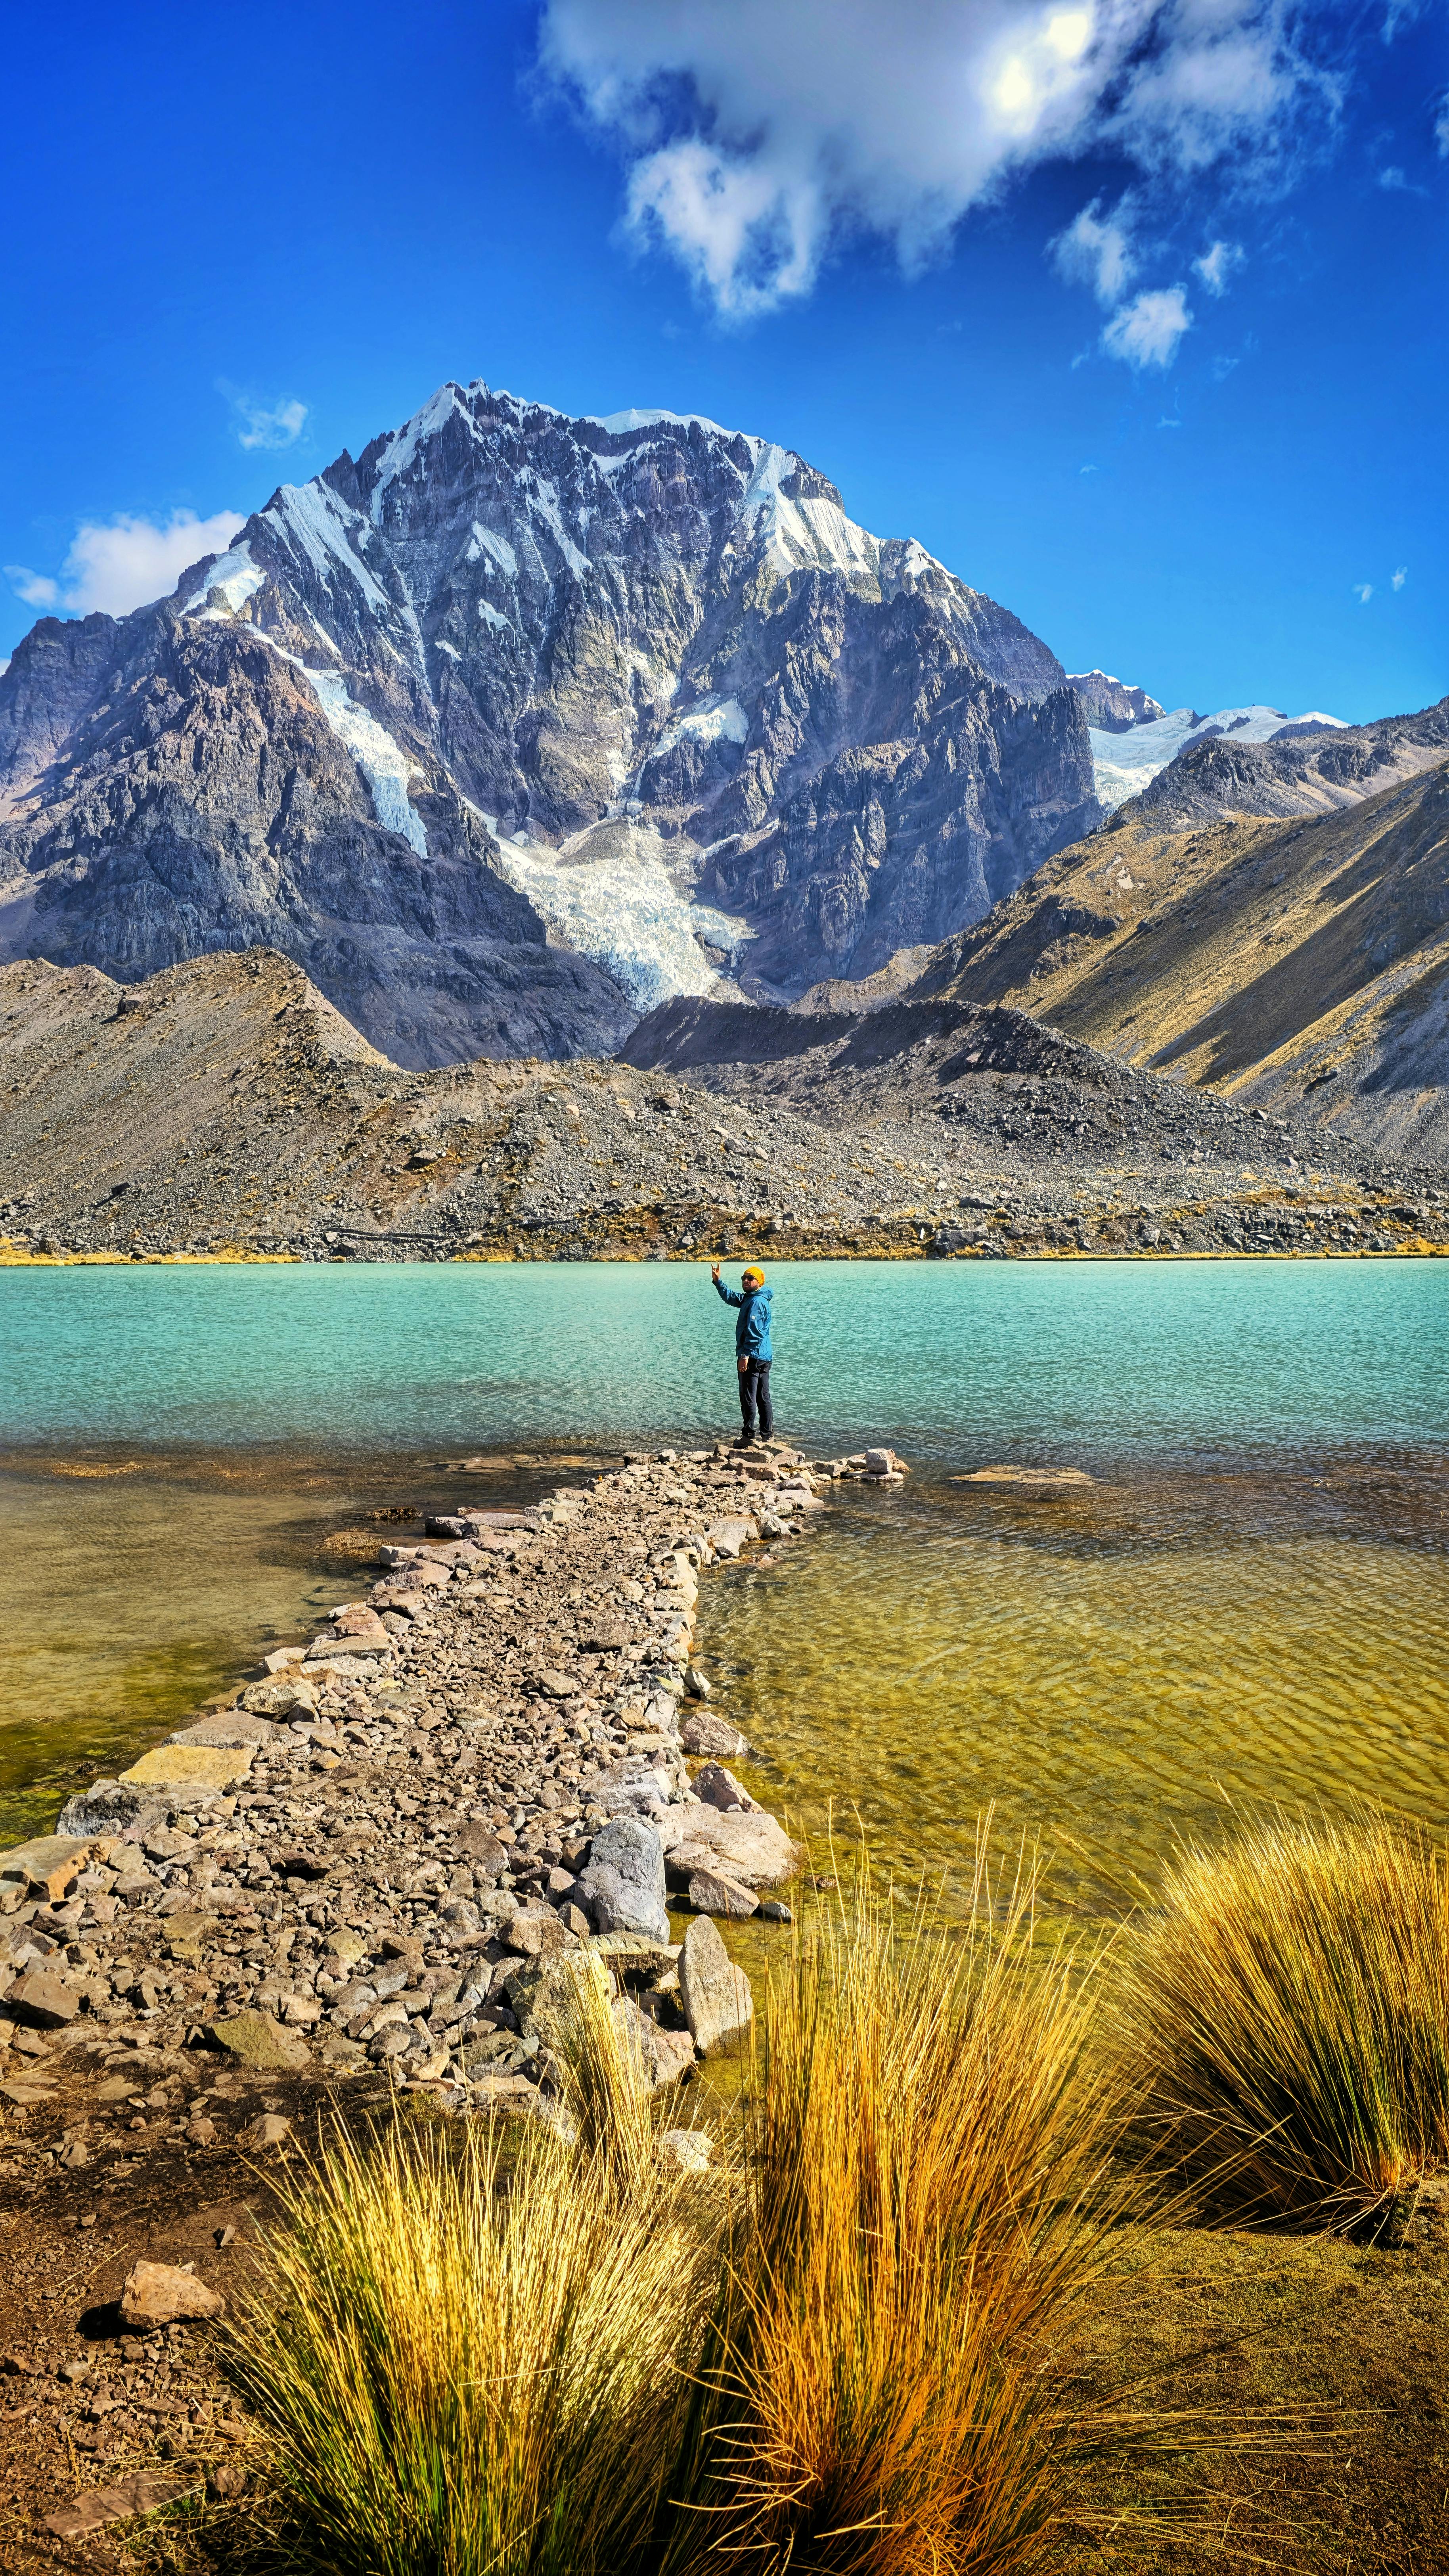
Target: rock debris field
224, 1109
400, 1847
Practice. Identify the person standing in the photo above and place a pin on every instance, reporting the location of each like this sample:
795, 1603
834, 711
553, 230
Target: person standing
753, 1352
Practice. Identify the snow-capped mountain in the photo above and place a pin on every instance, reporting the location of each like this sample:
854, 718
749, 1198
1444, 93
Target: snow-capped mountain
517, 724
1126, 761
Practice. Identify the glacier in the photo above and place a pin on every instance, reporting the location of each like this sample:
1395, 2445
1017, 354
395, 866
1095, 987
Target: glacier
1125, 763
620, 903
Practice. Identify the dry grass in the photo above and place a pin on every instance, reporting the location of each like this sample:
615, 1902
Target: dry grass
1286, 2026
924, 2139
465, 2368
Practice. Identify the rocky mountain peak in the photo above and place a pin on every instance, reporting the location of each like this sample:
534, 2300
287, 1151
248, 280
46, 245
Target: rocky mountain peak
629, 701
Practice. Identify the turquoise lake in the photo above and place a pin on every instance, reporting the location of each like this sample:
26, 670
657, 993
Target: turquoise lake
1249, 1601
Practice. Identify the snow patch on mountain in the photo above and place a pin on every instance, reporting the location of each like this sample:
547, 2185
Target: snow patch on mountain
713, 720
314, 524
610, 893
383, 763
802, 534
236, 577
1125, 763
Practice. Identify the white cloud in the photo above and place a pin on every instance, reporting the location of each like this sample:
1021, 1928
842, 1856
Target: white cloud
122, 563
262, 424
1096, 250
756, 133
1399, 578
1218, 263
1393, 178
1441, 127
1145, 333
35, 588
1363, 592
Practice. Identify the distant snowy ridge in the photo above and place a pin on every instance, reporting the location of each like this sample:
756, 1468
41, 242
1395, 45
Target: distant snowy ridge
1125, 762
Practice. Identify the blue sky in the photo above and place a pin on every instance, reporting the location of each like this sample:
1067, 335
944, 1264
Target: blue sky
1134, 313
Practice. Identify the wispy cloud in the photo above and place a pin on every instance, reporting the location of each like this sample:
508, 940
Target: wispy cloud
1218, 263
1363, 592
1146, 332
262, 424
1441, 127
121, 563
35, 588
756, 136
1398, 579
1096, 250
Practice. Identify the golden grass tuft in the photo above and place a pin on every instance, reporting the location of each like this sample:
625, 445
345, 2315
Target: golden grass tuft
924, 2138
1285, 2025
472, 2367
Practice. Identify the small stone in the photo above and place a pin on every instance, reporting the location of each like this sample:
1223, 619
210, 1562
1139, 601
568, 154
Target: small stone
535, 1932
727, 1538
710, 1892
697, 1683
482, 1847
703, 1731
557, 1685
718, 2004
285, 1695
772, 1910
158, 2294
45, 2000
686, 2150
269, 2129
719, 1788
201, 2132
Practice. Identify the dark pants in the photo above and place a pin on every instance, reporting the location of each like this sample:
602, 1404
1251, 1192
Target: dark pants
755, 1390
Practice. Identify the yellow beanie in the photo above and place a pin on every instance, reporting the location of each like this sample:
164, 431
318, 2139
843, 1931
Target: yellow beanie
758, 1276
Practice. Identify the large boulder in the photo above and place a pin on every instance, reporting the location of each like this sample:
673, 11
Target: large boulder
624, 1881
718, 2004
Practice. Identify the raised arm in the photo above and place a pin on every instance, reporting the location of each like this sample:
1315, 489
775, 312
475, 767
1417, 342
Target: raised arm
731, 1296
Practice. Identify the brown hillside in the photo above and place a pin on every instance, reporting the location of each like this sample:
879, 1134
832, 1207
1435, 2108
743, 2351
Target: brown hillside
1300, 966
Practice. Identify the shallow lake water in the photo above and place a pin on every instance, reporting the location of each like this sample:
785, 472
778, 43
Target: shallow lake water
1247, 1603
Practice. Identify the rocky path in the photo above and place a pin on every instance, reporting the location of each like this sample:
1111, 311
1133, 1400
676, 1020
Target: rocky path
372, 1855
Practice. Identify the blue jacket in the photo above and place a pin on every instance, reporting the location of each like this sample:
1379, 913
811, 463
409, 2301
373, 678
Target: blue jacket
752, 1332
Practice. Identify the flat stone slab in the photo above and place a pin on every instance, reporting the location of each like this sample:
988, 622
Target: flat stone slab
228, 1734
120, 2503
252, 2040
191, 1766
753, 1849
1024, 1476
50, 1862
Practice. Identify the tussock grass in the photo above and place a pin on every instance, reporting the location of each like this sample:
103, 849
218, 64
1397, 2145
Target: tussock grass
1285, 2025
472, 2369
924, 2141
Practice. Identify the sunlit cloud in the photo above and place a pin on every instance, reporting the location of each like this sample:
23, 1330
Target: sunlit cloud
121, 563
1363, 592
758, 135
